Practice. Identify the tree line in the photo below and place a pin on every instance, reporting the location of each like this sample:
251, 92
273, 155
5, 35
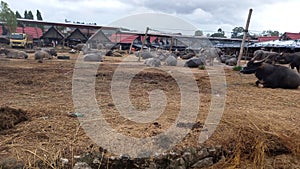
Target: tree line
29, 15
9, 17
238, 32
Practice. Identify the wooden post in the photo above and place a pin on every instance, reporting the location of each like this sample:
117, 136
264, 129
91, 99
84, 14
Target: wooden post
131, 47
244, 38
171, 45
63, 43
143, 44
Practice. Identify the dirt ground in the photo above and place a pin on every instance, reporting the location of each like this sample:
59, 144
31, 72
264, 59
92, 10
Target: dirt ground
259, 128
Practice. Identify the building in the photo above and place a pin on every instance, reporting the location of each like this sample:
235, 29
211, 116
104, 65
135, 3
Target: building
288, 42
75, 37
267, 38
290, 36
52, 37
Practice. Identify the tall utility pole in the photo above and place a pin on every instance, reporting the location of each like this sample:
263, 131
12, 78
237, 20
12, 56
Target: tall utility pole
244, 38
143, 44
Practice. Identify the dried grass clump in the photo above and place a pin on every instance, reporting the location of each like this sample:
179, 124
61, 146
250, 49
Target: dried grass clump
255, 145
9, 117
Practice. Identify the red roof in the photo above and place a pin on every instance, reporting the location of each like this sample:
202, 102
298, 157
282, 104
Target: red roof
291, 36
123, 38
267, 38
35, 32
152, 38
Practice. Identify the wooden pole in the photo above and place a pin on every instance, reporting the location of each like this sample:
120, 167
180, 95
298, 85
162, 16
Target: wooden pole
131, 47
171, 45
244, 38
143, 44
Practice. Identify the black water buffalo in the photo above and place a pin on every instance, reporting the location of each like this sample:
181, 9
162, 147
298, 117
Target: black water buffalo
194, 62
93, 57
152, 62
231, 61
261, 54
78, 46
290, 58
13, 53
187, 56
144, 54
272, 76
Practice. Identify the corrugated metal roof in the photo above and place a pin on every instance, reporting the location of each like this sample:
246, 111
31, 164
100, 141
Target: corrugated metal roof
278, 43
35, 32
53, 33
290, 36
267, 38
77, 34
122, 38
152, 38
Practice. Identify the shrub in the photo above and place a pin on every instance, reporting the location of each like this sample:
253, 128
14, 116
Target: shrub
237, 68
201, 67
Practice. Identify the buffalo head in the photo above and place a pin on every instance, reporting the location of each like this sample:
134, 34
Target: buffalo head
52, 52
251, 67
282, 59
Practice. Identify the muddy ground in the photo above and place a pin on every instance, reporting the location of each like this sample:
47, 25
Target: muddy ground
259, 127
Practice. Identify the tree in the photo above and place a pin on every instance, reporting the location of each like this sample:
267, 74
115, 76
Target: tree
8, 16
4, 30
220, 30
25, 14
39, 15
270, 33
220, 33
18, 15
198, 33
237, 32
30, 15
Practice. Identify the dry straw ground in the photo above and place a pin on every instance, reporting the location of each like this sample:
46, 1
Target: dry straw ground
259, 128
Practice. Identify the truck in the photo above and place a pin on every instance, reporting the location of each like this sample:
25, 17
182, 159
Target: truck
21, 40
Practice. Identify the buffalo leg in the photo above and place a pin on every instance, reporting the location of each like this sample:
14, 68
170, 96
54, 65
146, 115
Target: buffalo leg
257, 83
261, 83
267, 85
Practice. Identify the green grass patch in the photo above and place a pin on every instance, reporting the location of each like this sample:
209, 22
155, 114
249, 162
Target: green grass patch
237, 68
201, 67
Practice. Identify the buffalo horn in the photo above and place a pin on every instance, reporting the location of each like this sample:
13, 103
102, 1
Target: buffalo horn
263, 60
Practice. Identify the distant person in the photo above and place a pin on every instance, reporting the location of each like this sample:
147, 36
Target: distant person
53, 43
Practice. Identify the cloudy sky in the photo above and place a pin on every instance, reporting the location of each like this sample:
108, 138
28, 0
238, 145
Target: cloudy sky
205, 15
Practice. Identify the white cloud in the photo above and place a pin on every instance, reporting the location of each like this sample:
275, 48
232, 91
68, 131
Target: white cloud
156, 21
282, 16
206, 15
199, 15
